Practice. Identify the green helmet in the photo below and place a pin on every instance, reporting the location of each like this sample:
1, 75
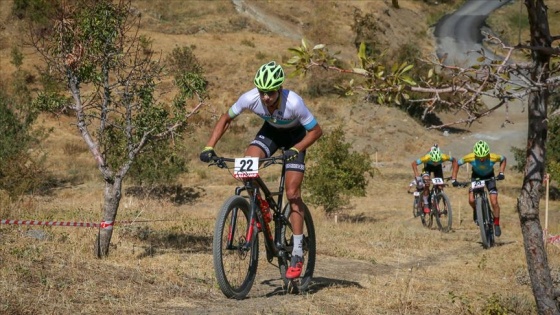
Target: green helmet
269, 77
435, 154
481, 149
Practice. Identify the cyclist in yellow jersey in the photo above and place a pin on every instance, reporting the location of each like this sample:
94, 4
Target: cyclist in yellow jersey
433, 164
482, 162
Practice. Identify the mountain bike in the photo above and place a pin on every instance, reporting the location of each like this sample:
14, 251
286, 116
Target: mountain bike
416, 203
484, 214
244, 216
440, 207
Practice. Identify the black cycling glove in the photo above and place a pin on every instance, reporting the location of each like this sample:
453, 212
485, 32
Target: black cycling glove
291, 154
207, 154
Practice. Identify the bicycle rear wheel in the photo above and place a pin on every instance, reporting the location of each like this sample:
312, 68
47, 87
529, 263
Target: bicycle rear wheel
482, 221
235, 259
309, 252
489, 218
443, 209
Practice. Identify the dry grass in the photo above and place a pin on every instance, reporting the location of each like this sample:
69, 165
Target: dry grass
376, 259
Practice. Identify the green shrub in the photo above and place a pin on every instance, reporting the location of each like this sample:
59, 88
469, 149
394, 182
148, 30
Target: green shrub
183, 60
335, 173
519, 157
21, 167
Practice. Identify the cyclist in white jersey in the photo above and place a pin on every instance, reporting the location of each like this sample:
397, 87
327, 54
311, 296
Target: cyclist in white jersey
288, 124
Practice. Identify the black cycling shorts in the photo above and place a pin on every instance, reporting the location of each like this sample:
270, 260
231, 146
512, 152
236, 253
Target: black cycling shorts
270, 139
437, 170
490, 184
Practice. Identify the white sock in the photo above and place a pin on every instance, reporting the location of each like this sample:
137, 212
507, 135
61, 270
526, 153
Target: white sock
298, 245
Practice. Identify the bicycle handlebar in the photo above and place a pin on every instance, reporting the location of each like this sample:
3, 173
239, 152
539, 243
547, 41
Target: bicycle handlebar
220, 161
466, 184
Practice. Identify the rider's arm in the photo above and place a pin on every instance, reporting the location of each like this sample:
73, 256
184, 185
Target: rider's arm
219, 130
415, 168
310, 137
455, 168
503, 164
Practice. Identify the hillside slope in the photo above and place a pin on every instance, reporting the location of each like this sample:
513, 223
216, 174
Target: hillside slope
374, 259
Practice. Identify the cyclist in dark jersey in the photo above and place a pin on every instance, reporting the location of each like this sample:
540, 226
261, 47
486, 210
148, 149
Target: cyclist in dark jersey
433, 164
288, 123
482, 162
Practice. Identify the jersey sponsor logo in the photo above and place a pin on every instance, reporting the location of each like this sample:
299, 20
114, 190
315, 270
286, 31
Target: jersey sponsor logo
262, 145
294, 166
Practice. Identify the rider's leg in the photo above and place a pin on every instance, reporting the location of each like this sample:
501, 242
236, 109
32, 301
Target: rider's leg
473, 206
426, 192
255, 151
293, 193
495, 207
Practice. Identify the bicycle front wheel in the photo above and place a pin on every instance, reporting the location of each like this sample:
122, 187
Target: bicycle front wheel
235, 257
482, 220
427, 219
443, 209
309, 252
416, 206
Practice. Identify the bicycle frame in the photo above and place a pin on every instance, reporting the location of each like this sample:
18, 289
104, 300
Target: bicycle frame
273, 244
240, 220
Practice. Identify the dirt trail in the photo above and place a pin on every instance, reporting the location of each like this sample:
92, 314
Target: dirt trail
506, 128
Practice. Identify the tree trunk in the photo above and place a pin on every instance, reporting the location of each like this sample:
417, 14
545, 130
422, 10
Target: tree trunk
528, 201
112, 198
528, 209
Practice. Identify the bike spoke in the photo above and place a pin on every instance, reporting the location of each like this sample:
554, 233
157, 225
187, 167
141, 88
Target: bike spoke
235, 258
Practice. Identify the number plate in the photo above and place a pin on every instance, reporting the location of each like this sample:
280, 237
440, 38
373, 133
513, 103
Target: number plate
477, 184
247, 167
416, 193
437, 181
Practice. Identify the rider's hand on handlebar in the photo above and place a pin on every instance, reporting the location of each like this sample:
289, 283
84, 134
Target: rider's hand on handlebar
207, 154
454, 182
501, 176
291, 154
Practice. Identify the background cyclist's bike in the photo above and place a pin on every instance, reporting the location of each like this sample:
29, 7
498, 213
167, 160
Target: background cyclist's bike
440, 207
243, 217
484, 214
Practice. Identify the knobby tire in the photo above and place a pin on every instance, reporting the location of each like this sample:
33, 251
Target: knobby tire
235, 267
416, 206
309, 252
443, 208
482, 220
489, 219
427, 219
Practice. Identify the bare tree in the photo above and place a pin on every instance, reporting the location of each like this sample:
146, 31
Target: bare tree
504, 80
93, 48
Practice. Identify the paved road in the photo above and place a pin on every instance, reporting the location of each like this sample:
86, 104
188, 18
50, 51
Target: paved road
460, 32
457, 34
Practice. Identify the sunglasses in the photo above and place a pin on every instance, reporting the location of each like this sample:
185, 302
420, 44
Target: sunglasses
267, 93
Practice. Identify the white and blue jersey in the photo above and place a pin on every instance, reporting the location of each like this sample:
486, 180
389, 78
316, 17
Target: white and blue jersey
291, 112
